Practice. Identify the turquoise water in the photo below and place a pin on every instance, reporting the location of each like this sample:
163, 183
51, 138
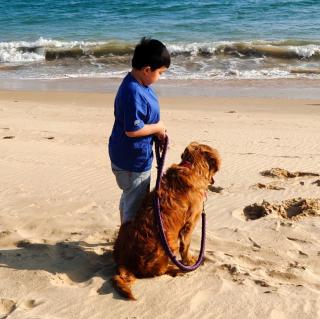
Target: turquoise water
208, 39
168, 20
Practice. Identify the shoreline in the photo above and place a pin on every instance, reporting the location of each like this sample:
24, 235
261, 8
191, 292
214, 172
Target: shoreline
272, 88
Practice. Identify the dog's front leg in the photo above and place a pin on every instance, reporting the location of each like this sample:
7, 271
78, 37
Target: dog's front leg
185, 239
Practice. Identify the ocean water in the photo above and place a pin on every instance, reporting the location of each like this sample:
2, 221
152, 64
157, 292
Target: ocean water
207, 39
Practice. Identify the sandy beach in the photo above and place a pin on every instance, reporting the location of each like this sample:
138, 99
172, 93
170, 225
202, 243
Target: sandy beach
59, 209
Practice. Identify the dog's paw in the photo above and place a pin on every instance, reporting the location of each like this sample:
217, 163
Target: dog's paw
190, 260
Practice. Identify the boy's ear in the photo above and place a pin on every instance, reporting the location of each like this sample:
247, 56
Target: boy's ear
146, 69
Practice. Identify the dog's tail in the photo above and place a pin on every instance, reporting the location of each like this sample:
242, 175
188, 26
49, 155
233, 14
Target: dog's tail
123, 282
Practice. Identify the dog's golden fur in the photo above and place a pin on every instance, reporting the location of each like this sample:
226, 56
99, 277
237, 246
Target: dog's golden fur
138, 251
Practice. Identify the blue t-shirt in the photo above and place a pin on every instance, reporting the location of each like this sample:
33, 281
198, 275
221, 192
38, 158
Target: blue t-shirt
135, 105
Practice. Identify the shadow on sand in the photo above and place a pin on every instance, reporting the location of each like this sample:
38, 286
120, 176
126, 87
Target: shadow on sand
77, 260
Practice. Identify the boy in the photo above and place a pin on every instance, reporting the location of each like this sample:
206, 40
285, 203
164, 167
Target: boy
137, 122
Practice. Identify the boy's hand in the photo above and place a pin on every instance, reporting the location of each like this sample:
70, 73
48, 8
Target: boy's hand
162, 131
161, 136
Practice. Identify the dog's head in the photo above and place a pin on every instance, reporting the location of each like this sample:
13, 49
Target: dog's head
203, 158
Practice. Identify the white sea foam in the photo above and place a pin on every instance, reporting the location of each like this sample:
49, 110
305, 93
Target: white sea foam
213, 75
17, 51
12, 55
195, 47
306, 51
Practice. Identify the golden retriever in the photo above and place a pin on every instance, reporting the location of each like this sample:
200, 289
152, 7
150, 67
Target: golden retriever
138, 251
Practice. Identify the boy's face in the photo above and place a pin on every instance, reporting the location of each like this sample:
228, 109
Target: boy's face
149, 76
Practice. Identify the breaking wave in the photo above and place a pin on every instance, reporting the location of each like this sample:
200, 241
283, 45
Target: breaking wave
246, 59
42, 49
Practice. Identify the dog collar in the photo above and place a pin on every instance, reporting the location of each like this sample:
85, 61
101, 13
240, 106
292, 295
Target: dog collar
186, 164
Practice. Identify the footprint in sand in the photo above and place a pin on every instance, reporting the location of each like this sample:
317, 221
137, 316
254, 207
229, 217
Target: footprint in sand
294, 209
283, 276
9, 137
60, 279
282, 173
317, 182
261, 283
296, 265
5, 233
7, 306
272, 186
241, 276
215, 189
302, 254
302, 241
30, 304
255, 244
232, 269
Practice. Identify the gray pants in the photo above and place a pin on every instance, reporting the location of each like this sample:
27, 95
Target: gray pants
134, 185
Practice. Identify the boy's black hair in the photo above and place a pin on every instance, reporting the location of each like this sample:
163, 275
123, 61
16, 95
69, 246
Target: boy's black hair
150, 52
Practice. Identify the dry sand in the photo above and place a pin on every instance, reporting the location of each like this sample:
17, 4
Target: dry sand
59, 210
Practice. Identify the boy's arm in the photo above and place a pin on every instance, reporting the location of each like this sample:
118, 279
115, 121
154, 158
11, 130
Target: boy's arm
148, 129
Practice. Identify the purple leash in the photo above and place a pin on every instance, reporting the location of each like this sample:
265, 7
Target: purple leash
160, 156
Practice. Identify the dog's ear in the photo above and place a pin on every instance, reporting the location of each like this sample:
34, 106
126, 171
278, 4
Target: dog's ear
213, 158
